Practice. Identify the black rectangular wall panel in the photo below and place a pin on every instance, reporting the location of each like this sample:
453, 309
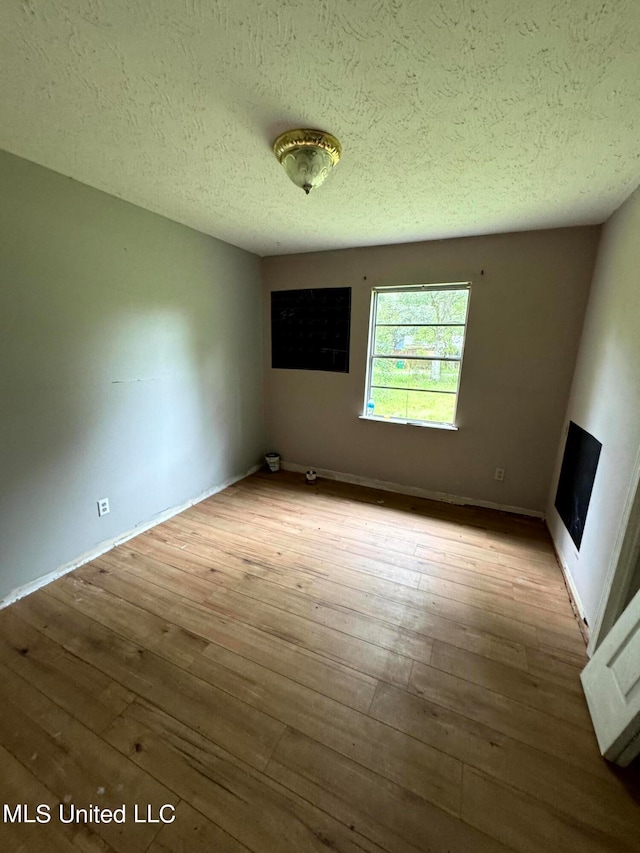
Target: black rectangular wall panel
310, 329
578, 472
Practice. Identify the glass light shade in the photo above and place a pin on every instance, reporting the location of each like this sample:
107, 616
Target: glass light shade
307, 156
307, 167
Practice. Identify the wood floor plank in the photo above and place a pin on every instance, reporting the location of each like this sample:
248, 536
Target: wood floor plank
278, 564
19, 786
229, 544
79, 688
568, 643
531, 690
347, 685
75, 764
487, 561
381, 629
359, 521
424, 559
555, 646
383, 810
356, 592
589, 797
429, 773
547, 664
132, 621
251, 808
191, 832
339, 554
367, 502
526, 825
309, 668
540, 561
414, 641
488, 577
504, 533
292, 529
536, 601
369, 658
242, 729
352, 505
536, 728
544, 596
506, 604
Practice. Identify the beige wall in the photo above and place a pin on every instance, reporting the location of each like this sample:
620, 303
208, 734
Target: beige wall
130, 367
605, 401
525, 319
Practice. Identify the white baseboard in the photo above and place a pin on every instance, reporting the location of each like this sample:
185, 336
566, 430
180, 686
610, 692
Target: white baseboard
109, 544
414, 491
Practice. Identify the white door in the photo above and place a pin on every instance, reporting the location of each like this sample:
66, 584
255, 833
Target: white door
611, 683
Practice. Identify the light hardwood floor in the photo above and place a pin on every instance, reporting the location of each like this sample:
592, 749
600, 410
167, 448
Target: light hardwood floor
310, 668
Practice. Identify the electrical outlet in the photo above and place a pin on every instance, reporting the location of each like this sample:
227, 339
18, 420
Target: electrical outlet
499, 475
103, 507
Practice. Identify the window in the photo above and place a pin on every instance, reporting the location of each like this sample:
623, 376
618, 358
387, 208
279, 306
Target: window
416, 342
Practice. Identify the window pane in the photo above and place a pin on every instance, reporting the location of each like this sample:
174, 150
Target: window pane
408, 373
413, 405
441, 341
422, 306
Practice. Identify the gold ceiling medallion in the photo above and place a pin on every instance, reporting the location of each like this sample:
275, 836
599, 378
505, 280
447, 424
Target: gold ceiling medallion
307, 156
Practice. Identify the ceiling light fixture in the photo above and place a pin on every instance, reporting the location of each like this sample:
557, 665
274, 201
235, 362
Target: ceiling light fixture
307, 156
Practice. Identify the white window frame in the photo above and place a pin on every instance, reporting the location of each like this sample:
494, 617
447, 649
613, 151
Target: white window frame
461, 285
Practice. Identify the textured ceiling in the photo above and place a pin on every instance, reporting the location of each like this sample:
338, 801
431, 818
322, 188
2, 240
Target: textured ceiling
456, 117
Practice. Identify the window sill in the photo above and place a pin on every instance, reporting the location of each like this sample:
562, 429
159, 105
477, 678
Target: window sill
426, 424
